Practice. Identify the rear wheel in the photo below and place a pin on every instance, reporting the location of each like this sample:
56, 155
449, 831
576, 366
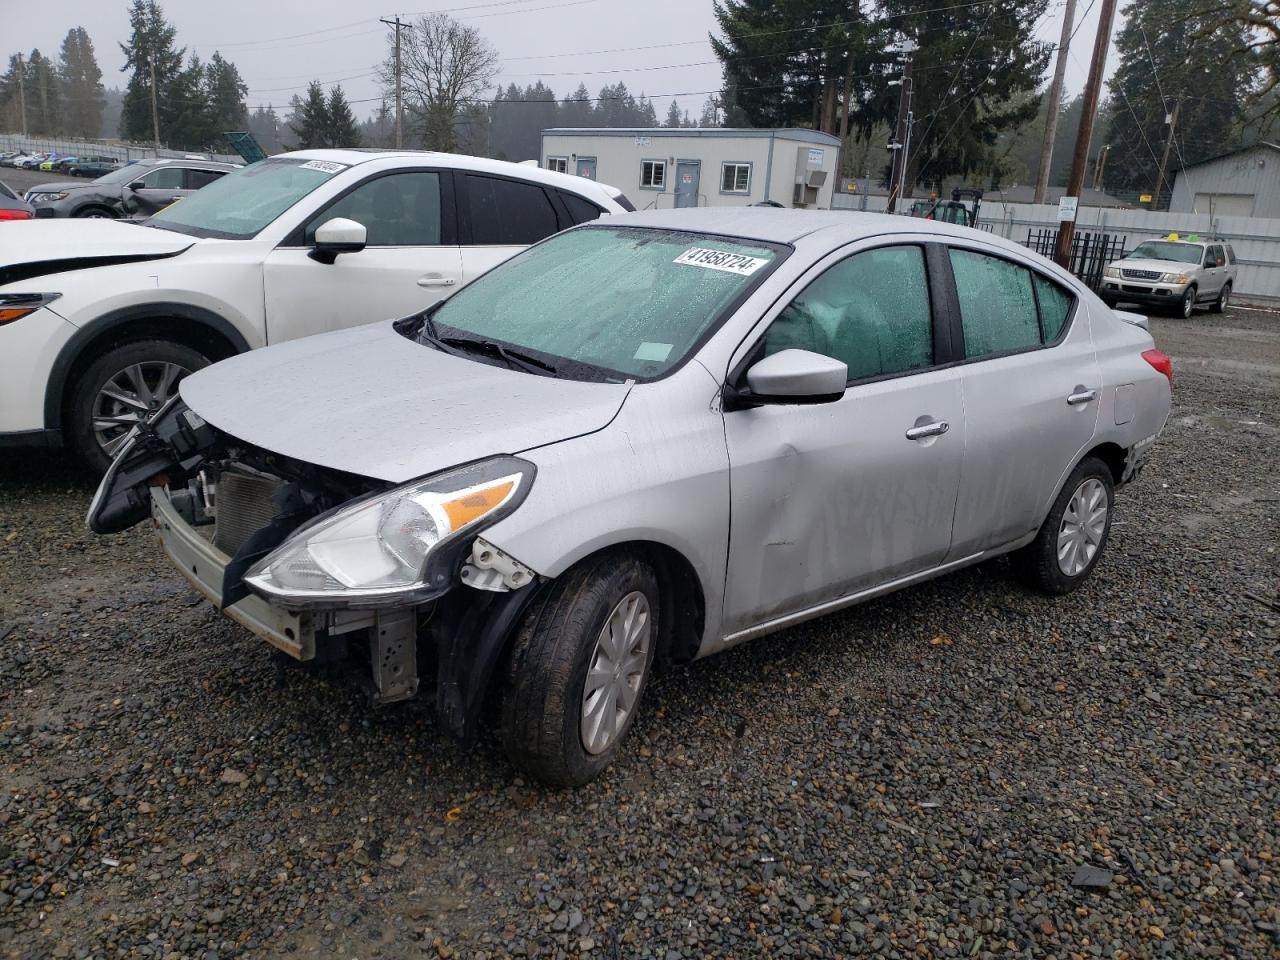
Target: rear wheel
121, 388
1074, 534
579, 668
1223, 297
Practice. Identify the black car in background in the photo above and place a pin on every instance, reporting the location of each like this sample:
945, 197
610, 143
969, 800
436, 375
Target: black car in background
93, 167
137, 189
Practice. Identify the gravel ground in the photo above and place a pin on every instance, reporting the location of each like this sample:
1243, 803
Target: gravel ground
923, 776
20, 181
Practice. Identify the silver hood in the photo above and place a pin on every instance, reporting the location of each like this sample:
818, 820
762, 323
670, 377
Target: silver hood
370, 402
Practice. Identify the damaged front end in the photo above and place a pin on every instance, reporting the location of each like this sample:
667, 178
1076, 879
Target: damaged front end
329, 566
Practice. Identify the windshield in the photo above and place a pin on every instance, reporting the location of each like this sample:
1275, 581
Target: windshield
237, 206
123, 175
627, 301
1168, 250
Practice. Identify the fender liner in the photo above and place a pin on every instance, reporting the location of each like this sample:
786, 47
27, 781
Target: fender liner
72, 349
469, 649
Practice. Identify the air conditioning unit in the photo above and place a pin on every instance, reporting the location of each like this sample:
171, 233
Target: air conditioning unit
809, 176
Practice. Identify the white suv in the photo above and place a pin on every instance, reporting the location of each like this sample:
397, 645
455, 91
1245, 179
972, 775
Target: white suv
100, 319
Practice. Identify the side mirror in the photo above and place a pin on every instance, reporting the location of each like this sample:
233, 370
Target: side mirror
336, 236
794, 376
137, 185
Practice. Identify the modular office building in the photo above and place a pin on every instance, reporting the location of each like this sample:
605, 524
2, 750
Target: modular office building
661, 168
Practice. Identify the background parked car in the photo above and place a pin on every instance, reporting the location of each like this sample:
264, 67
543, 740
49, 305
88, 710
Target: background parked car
139, 189
93, 167
12, 206
298, 244
1174, 273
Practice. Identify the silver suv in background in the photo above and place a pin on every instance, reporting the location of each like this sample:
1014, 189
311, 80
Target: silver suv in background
138, 189
1173, 273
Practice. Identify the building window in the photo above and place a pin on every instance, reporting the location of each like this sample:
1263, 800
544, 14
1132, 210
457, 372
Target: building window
653, 174
735, 178
558, 164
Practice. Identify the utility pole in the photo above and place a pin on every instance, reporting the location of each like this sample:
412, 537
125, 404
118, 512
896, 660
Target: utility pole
1172, 120
1100, 165
155, 110
397, 23
22, 95
1088, 115
901, 130
1055, 102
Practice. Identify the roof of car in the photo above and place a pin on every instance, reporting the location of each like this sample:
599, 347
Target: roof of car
787, 226
526, 171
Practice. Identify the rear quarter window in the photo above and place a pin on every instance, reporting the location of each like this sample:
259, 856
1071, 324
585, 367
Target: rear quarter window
580, 210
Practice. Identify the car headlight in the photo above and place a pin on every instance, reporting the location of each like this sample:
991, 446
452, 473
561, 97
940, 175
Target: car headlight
1113, 272
1173, 278
395, 548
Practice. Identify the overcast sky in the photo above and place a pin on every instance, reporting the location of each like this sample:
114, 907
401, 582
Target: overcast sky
279, 45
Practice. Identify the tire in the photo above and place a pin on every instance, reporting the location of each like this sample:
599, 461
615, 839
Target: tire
162, 365
544, 731
96, 213
1187, 304
1038, 564
1224, 296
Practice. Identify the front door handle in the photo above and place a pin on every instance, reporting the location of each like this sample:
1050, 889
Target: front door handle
925, 430
1082, 395
436, 281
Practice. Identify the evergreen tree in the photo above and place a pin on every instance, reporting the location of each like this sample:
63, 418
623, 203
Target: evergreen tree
81, 85
576, 109
264, 124
977, 70
152, 43
1163, 65
10, 104
518, 117
310, 118
673, 115
225, 92
44, 96
190, 123
341, 130
646, 115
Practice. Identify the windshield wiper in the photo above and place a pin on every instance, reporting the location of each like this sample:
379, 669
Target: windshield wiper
512, 358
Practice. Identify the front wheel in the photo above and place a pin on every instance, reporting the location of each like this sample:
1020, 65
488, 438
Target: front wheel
1073, 536
1223, 297
121, 388
578, 669
1187, 305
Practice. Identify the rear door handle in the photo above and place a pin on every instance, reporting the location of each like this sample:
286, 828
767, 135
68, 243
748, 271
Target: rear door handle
436, 281
925, 430
1082, 396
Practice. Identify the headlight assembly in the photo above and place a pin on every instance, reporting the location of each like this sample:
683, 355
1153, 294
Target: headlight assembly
1113, 272
1174, 278
394, 548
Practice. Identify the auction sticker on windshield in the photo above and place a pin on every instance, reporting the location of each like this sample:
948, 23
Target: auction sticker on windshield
720, 260
324, 166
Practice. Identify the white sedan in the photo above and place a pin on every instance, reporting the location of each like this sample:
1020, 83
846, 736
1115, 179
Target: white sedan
100, 320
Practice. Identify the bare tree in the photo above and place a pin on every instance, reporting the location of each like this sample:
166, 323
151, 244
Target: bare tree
445, 67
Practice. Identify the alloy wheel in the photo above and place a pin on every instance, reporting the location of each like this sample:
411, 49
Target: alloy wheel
619, 663
1188, 304
1083, 524
131, 396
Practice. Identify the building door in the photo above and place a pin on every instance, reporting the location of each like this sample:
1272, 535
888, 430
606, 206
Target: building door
687, 174
587, 167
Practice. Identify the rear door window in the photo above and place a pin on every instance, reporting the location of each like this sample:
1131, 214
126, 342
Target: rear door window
508, 212
997, 304
580, 210
1055, 307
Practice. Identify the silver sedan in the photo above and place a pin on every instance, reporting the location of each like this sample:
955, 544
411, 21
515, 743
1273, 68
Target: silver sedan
643, 441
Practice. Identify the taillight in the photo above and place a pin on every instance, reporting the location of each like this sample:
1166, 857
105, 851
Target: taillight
1160, 362
15, 214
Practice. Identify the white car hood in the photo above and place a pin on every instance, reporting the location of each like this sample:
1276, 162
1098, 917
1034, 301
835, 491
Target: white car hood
370, 402
43, 247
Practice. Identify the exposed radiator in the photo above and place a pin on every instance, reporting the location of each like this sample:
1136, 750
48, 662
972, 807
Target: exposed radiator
245, 504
